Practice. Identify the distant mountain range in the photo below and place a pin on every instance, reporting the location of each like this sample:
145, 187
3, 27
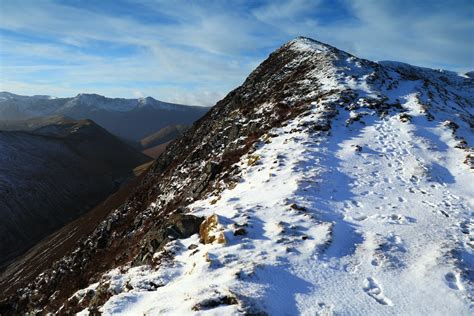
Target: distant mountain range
131, 119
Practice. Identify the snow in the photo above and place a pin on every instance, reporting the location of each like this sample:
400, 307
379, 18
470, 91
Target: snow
373, 218
303, 44
117, 104
39, 105
376, 238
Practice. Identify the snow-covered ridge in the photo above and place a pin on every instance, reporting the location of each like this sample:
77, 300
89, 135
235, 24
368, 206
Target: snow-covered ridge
372, 217
356, 199
117, 104
329, 228
14, 106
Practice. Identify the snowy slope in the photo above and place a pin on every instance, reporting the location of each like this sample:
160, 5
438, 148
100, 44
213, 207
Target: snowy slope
356, 198
373, 217
99, 102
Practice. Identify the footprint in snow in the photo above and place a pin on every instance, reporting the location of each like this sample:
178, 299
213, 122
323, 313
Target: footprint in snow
399, 219
360, 218
453, 281
372, 289
325, 309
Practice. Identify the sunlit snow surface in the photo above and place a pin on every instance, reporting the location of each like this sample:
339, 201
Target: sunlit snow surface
381, 231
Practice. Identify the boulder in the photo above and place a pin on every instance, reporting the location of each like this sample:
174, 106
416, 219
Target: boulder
176, 226
212, 231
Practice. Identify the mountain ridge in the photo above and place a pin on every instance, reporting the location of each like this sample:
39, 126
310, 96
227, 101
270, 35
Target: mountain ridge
94, 99
338, 145
130, 119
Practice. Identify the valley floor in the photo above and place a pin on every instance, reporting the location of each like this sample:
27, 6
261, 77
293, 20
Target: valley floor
374, 219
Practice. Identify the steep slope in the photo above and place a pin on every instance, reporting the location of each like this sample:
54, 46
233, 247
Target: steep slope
131, 119
156, 151
156, 143
328, 184
58, 244
32, 124
162, 136
54, 173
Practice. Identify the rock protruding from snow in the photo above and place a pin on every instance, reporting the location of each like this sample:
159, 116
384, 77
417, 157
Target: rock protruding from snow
212, 231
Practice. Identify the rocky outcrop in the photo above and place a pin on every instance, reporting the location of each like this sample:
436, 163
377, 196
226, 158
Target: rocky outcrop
212, 231
175, 226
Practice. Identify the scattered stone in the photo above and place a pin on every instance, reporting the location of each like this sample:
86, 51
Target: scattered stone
469, 161
214, 302
297, 207
253, 160
357, 148
450, 124
405, 118
266, 138
214, 201
240, 232
462, 144
192, 246
354, 117
323, 127
232, 185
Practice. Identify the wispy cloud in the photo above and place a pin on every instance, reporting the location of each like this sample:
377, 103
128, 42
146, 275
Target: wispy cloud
195, 52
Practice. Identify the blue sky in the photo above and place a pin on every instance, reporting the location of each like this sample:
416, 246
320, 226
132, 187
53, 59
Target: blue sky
195, 52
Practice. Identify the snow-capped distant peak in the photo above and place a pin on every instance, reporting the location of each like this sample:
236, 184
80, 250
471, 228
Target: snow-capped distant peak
99, 102
146, 99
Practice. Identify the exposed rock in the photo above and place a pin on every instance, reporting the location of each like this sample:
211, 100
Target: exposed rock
192, 246
462, 144
298, 207
357, 148
214, 302
176, 226
451, 125
405, 118
469, 160
211, 231
322, 126
240, 232
253, 160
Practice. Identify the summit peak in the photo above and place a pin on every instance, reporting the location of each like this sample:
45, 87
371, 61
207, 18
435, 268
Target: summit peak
303, 43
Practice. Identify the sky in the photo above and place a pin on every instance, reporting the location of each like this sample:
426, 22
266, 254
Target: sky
195, 52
